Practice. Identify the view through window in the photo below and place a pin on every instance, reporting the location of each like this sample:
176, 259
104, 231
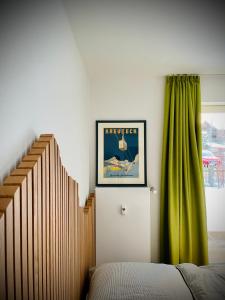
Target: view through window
213, 160
213, 153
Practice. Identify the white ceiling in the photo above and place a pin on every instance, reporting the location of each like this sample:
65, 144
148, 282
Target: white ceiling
148, 36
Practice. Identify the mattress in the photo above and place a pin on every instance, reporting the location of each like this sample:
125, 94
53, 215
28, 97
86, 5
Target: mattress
115, 281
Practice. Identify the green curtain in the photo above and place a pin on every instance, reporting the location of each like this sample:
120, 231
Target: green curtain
183, 229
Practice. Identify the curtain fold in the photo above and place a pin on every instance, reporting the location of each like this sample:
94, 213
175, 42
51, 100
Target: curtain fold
183, 229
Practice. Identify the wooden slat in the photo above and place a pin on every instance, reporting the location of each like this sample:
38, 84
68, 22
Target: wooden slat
17, 243
6, 206
14, 193
52, 219
48, 279
47, 135
94, 229
28, 174
39, 229
41, 144
60, 229
45, 138
71, 237
63, 236
30, 233
81, 245
77, 244
26, 165
67, 236
35, 232
90, 240
56, 224
36, 151
91, 233
44, 217
3, 282
87, 214
8, 191
87, 241
59, 236
34, 166
20, 172
21, 181
33, 157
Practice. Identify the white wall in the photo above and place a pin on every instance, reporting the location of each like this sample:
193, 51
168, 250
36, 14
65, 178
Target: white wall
43, 87
213, 88
137, 97
118, 235
134, 98
215, 206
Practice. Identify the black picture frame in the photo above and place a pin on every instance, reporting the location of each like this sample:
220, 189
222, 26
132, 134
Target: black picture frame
111, 169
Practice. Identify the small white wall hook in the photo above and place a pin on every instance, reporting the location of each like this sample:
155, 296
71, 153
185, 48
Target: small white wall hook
153, 190
123, 209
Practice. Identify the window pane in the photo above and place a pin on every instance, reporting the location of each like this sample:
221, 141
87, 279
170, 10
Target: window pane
213, 153
213, 159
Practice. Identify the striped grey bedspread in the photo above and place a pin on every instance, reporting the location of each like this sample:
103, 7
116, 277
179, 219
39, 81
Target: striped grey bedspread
133, 281
206, 282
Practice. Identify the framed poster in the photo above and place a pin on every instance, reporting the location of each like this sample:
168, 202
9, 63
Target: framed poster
121, 153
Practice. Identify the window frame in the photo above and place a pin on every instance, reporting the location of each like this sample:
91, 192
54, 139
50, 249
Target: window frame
213, 107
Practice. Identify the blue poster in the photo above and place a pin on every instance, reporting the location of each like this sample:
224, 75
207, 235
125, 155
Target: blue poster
121, 157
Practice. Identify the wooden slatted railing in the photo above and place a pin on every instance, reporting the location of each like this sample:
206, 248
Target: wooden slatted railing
47, 242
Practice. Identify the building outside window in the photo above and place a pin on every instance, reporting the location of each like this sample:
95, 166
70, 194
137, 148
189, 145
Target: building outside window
213, 140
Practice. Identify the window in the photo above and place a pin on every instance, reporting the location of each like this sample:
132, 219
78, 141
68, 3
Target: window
213, 145
213, 160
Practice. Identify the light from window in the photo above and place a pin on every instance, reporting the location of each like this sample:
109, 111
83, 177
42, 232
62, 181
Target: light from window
213, 145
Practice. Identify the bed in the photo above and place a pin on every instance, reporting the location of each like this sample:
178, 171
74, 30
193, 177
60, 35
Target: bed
114, 281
